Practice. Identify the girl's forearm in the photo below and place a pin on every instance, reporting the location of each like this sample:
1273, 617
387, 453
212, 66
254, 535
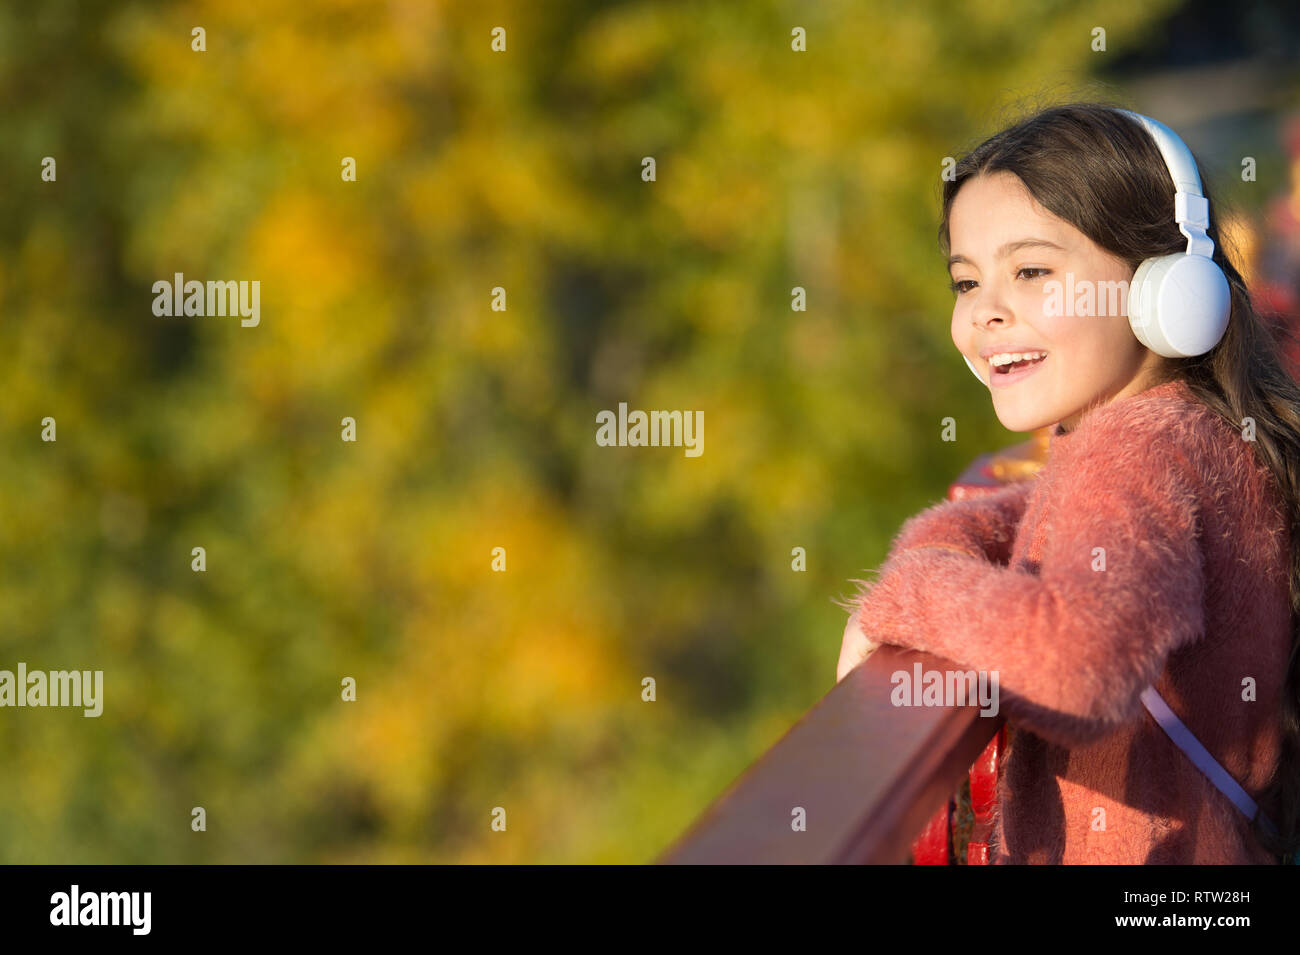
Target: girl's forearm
983, 526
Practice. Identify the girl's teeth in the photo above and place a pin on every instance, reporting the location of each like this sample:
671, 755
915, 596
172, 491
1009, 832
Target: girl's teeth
1011, 358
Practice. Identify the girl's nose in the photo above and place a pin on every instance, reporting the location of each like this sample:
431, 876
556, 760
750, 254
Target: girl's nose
989, 309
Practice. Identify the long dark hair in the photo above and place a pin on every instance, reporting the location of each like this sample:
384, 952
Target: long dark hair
1084, 161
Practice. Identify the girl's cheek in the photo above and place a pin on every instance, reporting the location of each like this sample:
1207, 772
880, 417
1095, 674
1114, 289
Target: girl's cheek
961, 330
1058, 328
1036, 304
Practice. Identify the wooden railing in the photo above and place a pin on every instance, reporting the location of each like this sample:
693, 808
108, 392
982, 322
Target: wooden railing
858, 779
865, 774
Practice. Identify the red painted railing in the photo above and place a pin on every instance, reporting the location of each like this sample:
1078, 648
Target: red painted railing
852, 782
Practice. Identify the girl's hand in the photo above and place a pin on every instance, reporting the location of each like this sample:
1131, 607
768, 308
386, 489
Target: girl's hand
855, 647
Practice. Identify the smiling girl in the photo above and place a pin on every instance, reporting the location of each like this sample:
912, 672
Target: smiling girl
1139, 596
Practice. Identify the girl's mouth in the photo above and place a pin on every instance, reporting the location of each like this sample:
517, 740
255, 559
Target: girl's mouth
1006, 375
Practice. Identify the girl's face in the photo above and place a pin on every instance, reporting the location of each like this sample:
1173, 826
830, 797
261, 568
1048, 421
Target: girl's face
1006, 250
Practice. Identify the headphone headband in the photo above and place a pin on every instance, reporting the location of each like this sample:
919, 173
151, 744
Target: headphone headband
1191, 208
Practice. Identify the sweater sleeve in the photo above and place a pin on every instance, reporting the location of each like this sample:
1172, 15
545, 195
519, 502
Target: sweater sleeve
1118, 588
981, 526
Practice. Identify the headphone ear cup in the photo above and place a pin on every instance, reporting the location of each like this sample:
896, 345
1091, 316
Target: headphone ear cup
1178, 305
1139, 319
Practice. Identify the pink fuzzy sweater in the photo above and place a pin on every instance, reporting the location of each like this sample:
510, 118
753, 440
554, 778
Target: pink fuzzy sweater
1193, 597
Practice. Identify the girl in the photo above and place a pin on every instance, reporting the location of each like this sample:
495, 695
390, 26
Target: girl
1153, 549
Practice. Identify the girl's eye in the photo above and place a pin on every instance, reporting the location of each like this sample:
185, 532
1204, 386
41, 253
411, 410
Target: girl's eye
961, 286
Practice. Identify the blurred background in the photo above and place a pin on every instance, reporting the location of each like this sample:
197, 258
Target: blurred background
476, 428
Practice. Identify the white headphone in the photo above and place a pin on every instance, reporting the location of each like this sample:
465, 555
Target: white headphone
1178, 305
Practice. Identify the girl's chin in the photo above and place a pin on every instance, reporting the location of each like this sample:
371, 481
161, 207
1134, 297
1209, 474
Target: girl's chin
1014, 419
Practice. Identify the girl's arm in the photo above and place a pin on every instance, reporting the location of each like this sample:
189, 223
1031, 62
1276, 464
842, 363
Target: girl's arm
981, 526
1120, 586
